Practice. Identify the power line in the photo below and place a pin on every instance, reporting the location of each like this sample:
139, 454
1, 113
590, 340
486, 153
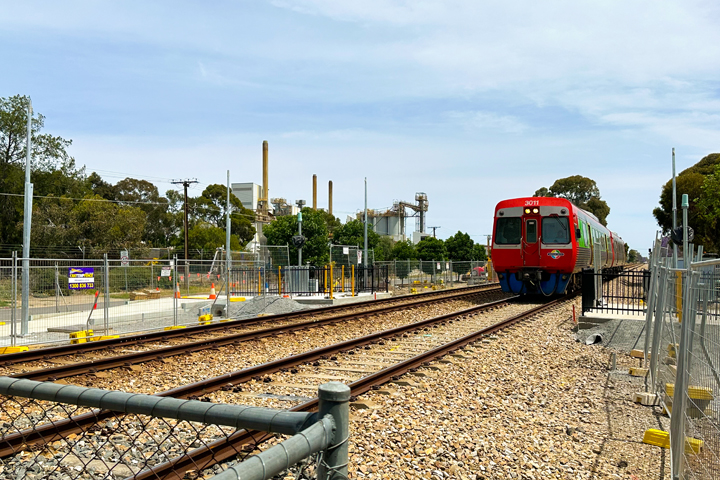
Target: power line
186, 183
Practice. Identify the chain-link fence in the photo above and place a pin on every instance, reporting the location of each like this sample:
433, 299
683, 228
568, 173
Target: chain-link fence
66, 432
348, 255
684, 360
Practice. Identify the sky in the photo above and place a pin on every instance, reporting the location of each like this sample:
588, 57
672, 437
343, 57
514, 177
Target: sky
471, 102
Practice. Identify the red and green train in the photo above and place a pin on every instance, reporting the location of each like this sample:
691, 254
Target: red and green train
541, 244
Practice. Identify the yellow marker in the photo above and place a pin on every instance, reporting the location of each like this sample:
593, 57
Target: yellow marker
5, 350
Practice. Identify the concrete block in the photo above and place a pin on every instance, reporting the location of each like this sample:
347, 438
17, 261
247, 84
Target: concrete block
638, 372
646, 398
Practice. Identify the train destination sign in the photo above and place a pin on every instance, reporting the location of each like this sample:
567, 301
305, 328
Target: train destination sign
81, 278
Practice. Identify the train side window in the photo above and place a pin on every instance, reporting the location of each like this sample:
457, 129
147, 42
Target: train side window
555, 230
531, 231
507, 231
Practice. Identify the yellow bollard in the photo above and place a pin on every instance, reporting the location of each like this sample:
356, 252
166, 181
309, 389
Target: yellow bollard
279, 281
352, 281
325, 280
331, 283
342, 282
259, 283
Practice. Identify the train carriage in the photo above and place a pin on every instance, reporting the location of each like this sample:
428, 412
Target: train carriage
540, 244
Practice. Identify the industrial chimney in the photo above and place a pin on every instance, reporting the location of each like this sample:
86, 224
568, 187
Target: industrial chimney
314, 192
330, 197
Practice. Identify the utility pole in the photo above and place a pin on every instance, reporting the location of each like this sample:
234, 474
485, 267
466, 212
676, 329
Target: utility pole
186, 183
27, 223
299, 241
433, 229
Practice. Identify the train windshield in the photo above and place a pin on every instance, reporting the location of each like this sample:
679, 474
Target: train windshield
555, 230
507, 231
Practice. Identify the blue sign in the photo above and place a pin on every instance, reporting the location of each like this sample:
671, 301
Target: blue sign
81, 278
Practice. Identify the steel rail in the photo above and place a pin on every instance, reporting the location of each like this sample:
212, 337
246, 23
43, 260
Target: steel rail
91, 366
47, 433
225, 449
145, 337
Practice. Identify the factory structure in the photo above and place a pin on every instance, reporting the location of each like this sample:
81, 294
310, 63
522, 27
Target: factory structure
390, 222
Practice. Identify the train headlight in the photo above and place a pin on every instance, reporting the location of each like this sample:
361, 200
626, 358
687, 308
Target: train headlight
527, 210
536, 210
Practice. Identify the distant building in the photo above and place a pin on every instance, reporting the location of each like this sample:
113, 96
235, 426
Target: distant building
248, 194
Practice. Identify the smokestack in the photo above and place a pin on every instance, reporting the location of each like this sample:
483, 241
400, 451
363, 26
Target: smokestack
314, 192
266, 187
330, 197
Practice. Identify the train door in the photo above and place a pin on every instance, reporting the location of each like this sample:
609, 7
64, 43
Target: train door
531, 246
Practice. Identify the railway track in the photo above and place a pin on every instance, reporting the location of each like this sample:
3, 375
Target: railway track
435, 337
175, 342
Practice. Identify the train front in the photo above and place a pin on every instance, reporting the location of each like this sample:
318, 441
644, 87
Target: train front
532, 250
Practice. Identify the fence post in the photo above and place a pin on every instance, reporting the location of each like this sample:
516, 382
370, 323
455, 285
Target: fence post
177, 289
657, 330
334, 398
332, 286
13, 302
352, 280
106, 300
677, 417
588, 289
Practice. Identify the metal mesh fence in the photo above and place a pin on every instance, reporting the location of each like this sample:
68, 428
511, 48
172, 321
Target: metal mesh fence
702, 409
420, 274
684, 362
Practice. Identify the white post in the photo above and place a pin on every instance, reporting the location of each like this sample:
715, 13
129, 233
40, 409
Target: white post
228, 260
27, 223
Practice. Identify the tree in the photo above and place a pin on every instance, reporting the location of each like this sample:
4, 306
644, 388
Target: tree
692, 181
383, 249
105, 225
479, 253
709, 208
208, 237
281, 230
49, 155
145, 196
353, 233
634, 256
582, 192
331, 221
542, 192
459, 247
404, 251
431, 248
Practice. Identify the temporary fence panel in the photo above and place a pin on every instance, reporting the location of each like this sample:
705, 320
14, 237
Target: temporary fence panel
684, 361
86, 300
121, 435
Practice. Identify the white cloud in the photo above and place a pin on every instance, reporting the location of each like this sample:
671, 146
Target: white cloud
487, 121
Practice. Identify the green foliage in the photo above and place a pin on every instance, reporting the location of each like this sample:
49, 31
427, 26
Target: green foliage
352, 233
581, 191
403, 251
542, 192
53, 170
281, 230
206, 236
459, 247
633, 256
383, 249
431, 248
332, 222
699, 183
479, 253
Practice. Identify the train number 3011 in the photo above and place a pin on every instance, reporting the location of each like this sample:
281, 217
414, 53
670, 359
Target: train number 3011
532, 203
